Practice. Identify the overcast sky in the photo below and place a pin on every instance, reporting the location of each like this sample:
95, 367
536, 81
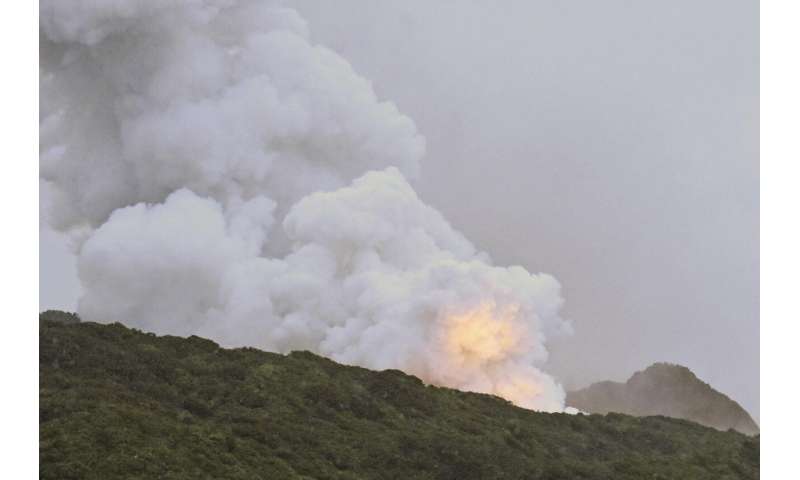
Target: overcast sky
613, 144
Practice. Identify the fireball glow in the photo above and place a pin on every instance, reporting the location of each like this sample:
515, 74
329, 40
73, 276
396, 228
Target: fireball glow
483, 334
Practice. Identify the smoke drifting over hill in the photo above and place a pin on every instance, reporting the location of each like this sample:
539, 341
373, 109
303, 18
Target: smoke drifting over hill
225, 177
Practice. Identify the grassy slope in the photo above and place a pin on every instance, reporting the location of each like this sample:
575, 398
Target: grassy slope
119, 403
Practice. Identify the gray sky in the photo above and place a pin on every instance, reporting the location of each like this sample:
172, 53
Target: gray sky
613, 144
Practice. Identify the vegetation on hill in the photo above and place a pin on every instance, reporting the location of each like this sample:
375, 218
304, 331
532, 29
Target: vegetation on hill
119, 403
665, 389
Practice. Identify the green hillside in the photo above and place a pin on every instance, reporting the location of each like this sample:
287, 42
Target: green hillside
119, 403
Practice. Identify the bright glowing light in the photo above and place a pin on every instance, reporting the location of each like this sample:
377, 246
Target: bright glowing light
520, 390
484, 348
482, 334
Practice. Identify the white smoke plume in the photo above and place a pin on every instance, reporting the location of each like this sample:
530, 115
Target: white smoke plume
228, 178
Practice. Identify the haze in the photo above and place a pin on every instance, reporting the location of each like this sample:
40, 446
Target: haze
613, 144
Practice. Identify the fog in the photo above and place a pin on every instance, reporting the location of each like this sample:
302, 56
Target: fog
613, 144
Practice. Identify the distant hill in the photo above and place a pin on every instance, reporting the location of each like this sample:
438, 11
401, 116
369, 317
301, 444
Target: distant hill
119, 403
669, 390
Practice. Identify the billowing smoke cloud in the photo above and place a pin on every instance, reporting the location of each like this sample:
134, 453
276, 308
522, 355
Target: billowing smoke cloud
228, 178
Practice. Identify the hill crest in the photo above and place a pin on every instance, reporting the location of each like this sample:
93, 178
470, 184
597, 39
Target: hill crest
665, 389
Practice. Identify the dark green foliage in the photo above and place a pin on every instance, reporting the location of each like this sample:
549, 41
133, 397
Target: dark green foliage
59, 316
119, 403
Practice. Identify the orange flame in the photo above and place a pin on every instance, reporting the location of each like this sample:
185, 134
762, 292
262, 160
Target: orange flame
482, 347
483, 334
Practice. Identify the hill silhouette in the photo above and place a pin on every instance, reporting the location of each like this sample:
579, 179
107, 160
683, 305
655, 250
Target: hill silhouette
669, 390
119, 403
